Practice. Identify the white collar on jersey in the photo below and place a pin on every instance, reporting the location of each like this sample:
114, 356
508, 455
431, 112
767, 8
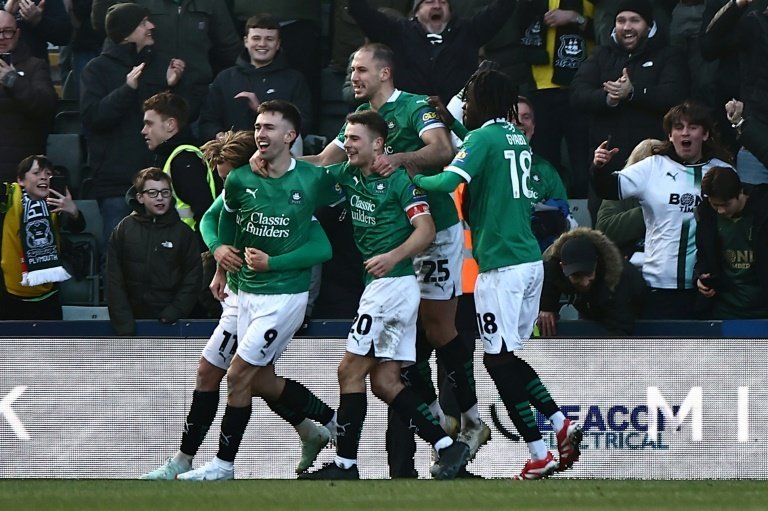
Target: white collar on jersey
395, 94
493, 121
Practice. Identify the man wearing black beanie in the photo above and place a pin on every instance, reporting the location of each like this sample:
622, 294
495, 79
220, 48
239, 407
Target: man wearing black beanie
628, 84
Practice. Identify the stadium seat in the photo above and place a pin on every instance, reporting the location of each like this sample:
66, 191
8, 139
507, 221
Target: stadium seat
66, 150
333, 108
80, 254
92, 214
67, 121
69, 90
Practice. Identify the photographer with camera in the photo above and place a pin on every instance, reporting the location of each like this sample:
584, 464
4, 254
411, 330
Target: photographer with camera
732, 247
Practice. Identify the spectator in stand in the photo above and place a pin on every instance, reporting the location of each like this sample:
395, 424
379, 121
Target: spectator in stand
753, 133
300, 42
434, 52
260, 74
722, 48
32, 216
622, 220
555, 41
749, 27
668, 187
27, 99
732, 242
625, 97
167, 133
86, 43
198, 32
42, 22
153, 266
114, 85
347, 35
586, 267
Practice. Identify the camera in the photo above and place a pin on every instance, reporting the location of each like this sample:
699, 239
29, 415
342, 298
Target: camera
7, 58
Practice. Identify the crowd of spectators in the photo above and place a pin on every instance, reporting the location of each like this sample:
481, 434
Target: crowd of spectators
602, 77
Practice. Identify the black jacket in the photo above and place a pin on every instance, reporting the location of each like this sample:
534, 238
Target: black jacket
617, 295
420, 67
659, 75
154, 269
222, 112
112, 115
748, 28
708, 247
26, 111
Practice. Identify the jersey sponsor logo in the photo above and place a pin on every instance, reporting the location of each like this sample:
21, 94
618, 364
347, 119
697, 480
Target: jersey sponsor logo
251, 191
687, 202
429, 116
297, 197
418, 193
259, 224
673, 176
380, 187
391, 125
388, 149
360, 209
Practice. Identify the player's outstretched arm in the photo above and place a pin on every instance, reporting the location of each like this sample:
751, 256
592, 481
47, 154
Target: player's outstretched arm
331, 154
436, 154
443, 182
316, 250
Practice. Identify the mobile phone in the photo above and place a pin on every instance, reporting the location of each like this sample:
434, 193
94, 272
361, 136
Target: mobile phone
59, 183
608, 142
7, 58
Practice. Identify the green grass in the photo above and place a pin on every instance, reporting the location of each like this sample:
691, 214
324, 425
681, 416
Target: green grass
259, 495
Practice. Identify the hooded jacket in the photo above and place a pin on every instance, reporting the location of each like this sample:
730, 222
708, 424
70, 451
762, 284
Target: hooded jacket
617, 294
154, 269
659, 76
708, 245
276, 80
112, 115
27, 103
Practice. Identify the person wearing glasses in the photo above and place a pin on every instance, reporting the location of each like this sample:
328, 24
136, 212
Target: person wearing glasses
27, 100
154, 269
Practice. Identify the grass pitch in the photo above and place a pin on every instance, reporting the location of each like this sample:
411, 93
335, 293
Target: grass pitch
258, 495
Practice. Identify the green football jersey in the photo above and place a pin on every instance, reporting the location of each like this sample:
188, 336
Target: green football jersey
381, 209
408, 116
545, 181
274, 215
500, 206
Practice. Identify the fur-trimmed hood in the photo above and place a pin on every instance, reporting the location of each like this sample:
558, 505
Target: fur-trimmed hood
609, 257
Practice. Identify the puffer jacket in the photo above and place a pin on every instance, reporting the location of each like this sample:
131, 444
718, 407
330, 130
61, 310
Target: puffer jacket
617, 295
223, 112
27, 103
113, 117
154, 269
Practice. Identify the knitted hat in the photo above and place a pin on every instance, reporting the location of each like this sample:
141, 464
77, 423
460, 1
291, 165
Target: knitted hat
122, 20
641, 7
417, 3
578, 254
